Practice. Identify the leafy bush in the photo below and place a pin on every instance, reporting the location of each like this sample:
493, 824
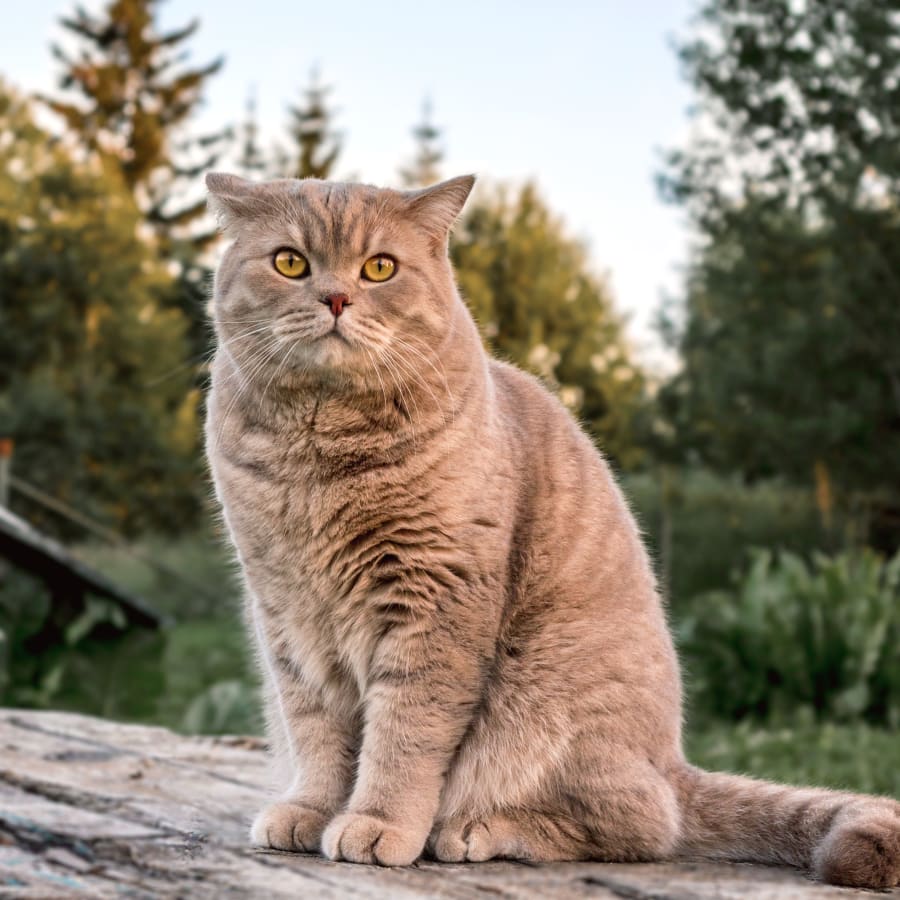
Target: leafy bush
76, 657
825, 637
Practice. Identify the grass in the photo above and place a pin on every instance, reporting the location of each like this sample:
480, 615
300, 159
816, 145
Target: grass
849, 757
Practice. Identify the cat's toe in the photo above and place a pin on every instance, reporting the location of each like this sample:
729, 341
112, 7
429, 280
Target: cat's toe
480, 846
459, 841
446, 842
366, 839
288, 826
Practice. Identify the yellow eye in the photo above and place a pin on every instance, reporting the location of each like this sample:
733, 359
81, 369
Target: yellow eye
379, 268
290, 263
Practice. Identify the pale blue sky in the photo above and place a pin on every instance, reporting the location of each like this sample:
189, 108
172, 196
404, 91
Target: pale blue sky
579, 96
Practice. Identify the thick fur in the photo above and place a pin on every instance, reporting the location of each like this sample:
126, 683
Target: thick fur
459, 629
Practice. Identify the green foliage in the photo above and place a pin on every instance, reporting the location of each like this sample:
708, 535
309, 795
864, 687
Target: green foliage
537, 303
86, 338
789, 347
849, 757
133, 97
793, 309
802, 98
209, 683
195, 675
699, 526
128, 98
192, 577
54, 657
823, 637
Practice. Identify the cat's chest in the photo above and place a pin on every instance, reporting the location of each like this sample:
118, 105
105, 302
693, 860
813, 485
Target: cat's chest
301, 530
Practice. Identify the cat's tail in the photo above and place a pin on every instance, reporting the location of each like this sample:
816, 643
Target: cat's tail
842, 838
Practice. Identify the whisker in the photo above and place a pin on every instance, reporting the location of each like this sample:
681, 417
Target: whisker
261, 359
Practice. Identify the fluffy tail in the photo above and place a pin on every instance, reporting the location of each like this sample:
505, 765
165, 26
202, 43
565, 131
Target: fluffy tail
843, 838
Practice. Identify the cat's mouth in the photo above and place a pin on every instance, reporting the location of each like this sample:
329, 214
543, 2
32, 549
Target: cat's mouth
335, 334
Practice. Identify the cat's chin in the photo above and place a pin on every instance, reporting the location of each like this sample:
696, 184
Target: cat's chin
332, 358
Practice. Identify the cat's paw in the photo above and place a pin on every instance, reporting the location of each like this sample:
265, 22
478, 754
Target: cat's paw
458, 840
289, 826
366, 839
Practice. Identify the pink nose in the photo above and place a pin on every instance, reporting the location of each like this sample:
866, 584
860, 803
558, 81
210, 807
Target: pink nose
337, 302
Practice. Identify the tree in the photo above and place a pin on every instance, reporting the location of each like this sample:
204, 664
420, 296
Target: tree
317, 144
793, 309
251, 161
133, 102
87, 342
133, 99
425, 166
537, 304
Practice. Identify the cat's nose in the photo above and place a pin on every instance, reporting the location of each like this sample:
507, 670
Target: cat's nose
337, 302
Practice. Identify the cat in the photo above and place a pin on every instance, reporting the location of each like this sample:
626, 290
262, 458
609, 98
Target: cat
457, 623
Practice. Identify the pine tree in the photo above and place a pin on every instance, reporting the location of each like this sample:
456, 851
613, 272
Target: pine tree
317, 144
251, 161
133, 101
425, 167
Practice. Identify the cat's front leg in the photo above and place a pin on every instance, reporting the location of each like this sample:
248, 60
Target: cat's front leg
319, 743
422, 689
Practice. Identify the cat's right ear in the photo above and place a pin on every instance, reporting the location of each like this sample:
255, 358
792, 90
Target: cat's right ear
436, 207
230, 198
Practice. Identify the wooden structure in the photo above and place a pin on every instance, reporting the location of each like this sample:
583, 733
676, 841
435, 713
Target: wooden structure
90, 808
67, 579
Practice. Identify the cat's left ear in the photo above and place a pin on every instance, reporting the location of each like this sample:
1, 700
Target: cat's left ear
437, 207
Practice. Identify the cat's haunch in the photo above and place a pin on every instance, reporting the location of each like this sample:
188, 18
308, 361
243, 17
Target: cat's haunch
458, 627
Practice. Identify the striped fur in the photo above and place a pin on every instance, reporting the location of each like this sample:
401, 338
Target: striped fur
457, 623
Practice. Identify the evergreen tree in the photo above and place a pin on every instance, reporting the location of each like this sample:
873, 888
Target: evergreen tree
251, 161
793, 309
537, 304
133, 100
87, 342
425, 166
317, 144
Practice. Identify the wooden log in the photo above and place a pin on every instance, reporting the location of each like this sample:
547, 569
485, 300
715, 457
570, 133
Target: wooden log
91, 808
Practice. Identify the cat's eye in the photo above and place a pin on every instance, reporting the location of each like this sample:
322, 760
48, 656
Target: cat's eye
379, 268
290, 263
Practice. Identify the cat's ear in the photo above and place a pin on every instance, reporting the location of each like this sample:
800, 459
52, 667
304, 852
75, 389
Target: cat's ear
231, 198
437, 207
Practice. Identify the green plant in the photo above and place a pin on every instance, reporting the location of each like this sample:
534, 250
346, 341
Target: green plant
822, 636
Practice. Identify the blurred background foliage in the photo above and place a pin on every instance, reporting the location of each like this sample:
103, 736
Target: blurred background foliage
765, 471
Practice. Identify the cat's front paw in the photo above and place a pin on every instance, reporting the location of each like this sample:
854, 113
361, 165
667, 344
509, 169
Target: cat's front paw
367, 839
289, 826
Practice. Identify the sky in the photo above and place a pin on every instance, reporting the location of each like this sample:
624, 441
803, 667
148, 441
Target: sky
580, 97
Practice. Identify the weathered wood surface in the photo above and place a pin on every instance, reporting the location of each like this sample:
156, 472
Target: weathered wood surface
90, 808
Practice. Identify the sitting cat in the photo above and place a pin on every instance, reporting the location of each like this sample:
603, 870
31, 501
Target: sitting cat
457, 623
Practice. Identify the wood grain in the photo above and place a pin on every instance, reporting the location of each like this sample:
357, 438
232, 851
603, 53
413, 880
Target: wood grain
91, 808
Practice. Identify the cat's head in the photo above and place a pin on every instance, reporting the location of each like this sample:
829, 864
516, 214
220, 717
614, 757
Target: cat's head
332, 279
